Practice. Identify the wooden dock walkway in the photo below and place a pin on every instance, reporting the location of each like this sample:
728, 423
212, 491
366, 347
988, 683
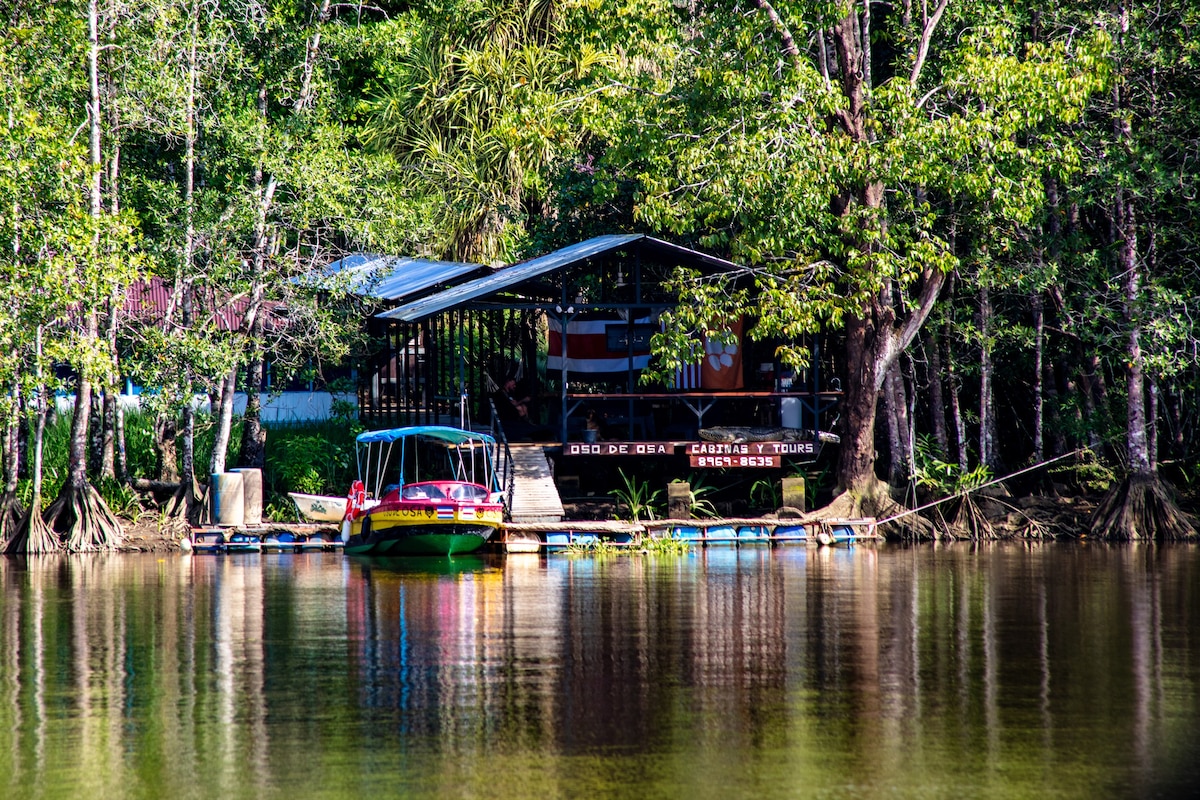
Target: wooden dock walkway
535, 497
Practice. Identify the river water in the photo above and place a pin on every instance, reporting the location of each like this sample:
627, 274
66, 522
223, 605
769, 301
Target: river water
1006, 670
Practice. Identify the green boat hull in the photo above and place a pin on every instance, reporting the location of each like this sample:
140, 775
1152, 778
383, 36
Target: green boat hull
446, 540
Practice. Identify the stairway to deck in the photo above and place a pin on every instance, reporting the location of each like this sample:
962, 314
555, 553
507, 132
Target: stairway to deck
535, 497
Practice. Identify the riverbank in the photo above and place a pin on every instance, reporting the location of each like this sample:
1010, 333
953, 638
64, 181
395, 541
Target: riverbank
987, 515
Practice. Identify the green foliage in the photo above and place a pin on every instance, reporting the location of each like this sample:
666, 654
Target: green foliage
639, 500
314, 458
662, 545
140, 456
121, 498
941, 477
281, 511
765, 493
1087, 473
593, 547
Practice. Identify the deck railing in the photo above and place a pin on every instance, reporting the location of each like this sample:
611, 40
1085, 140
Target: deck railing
503, 460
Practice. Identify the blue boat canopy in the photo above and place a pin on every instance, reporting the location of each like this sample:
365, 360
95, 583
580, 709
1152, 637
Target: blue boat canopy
443, 433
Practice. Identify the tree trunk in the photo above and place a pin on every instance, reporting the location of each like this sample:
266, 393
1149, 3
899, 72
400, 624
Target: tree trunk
10, 506
987, 406
165, 436
254, 435
1039, 337
1152, 424
108, 422
224, 424
1126, 228
899, 441
856, 463
1139, 507
33, 535
937, 401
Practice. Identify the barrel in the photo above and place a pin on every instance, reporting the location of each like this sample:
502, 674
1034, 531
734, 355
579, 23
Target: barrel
789, 412
227, 499
252, 494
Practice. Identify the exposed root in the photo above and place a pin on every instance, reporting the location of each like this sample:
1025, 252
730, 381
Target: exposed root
85, 521
969, 521
186, 506
10, 518
1139, 508
32, 535
1035, 529
944, 529
875, 500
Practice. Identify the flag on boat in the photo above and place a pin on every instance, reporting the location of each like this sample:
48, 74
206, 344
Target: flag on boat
608, 344
466, 512
445, 512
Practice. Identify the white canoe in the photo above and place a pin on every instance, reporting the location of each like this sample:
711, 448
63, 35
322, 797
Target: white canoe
319, 507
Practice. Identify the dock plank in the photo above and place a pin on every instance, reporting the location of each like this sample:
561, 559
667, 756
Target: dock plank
535, 497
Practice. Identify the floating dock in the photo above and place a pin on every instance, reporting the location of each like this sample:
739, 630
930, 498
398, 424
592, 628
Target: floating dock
551, 536
295, 539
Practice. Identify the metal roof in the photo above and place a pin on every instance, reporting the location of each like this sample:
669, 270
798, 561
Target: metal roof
394, 277
518, 273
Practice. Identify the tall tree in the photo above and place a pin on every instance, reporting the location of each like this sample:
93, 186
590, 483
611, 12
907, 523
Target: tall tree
1156, 71
79, 512
833, 159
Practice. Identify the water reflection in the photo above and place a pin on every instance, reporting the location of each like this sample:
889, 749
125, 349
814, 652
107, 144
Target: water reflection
1007, 669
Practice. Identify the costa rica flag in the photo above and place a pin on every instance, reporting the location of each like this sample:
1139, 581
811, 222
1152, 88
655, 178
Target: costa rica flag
445, 512
600, 344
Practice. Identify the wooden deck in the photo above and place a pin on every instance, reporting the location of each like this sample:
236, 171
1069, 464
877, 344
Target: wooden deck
535, 497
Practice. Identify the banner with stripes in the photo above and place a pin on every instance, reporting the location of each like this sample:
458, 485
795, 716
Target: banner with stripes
597, 345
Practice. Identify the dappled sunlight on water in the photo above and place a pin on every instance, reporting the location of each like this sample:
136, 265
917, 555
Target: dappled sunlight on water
1012, 670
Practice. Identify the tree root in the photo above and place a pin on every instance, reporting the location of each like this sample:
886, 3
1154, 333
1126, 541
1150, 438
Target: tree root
32, 536
186, 506
969, 521
1141, 508
10, 518
875, 500
84, 520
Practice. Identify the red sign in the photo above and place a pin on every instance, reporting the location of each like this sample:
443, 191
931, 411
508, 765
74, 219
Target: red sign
751, 449
741, 461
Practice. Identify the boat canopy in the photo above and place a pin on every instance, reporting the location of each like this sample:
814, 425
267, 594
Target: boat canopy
442, 433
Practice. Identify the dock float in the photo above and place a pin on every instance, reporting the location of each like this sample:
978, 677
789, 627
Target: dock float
240, 540
552, 536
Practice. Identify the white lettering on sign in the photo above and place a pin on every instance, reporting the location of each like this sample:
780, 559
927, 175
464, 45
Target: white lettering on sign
619, 449
751, 448
739, 461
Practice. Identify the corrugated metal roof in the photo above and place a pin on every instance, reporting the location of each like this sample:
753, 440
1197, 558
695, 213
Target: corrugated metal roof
147, 300
394, 277
510, 276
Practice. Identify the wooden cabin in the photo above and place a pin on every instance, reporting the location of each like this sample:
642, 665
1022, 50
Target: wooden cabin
568, 333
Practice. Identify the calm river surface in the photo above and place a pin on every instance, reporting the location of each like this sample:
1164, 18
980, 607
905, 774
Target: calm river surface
1060, 670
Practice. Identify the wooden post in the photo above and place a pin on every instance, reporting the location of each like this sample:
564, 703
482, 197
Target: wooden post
793, 493
679, 500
